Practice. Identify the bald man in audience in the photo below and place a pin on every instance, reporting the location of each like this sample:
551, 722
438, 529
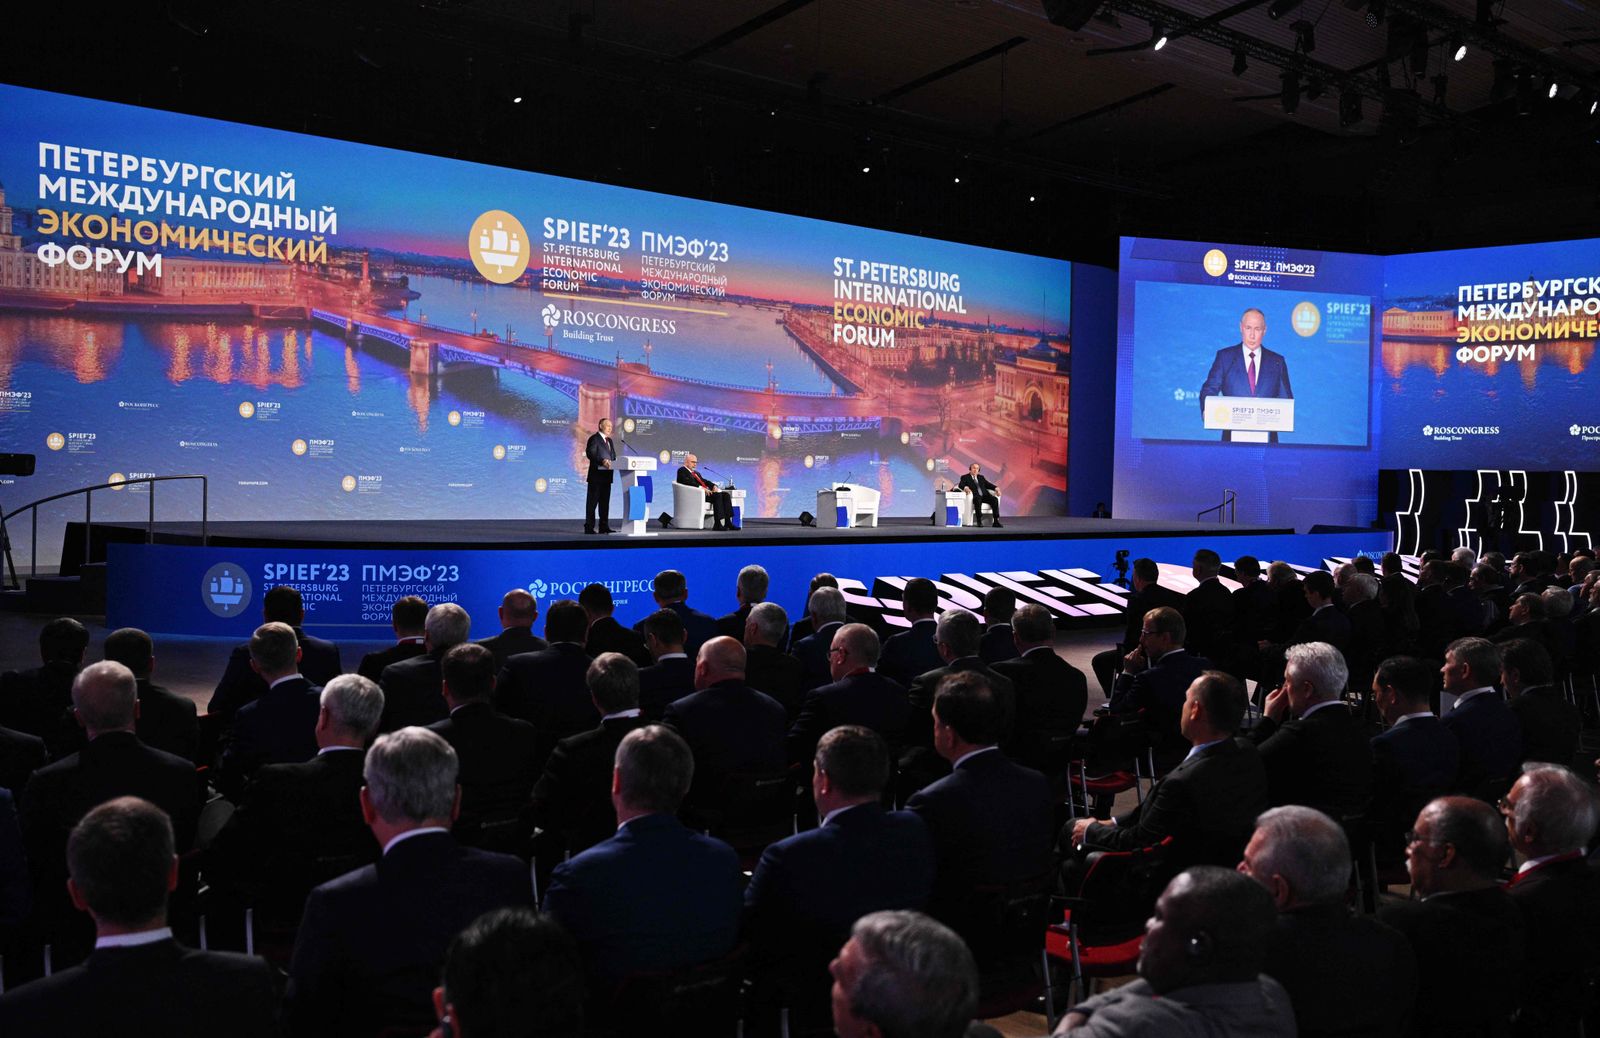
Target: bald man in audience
518, 611
858, 695
730, 726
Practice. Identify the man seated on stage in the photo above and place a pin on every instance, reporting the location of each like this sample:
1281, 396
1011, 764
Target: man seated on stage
721, 500
983, 493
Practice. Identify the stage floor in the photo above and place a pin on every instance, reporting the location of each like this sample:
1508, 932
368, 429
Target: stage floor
556, 533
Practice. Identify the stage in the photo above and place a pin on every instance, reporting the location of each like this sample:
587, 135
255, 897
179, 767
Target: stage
351, 572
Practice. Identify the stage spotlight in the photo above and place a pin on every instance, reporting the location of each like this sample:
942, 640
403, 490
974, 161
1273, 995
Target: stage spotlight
1159, 35
1278, 8
807, 519
1305, 36
666, 521
1593, 107
1458, 48
1555, 88
1349, 108
1239, 62
1291, 91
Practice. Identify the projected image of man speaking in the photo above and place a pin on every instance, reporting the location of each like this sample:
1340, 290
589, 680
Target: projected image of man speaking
1247, 368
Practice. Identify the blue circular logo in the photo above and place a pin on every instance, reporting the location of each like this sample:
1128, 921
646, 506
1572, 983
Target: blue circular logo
225, 589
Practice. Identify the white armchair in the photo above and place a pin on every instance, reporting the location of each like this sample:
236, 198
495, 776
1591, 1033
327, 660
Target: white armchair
858, 503
690, 509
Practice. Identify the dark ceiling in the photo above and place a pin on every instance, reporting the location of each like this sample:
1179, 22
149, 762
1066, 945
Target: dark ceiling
868, 111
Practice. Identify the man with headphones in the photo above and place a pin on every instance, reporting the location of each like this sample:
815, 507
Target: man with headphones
1199, 968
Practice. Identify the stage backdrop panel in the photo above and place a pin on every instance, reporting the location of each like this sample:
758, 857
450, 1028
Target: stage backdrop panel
336, 331
1182, 306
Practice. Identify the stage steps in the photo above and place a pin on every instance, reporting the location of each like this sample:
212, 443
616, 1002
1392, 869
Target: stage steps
74, 595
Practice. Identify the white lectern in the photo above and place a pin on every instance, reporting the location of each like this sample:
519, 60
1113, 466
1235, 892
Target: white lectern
638, 493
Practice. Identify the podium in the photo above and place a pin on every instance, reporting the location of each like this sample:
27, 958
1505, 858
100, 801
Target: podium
638, 493
951, 508
847, 505
1250, 419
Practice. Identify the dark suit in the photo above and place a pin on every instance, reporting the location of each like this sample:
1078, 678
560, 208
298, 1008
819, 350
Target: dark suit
866, 698
698, 627
1159, 691
1413, 762
1369, 637
731, 625
997, 644
296, 825
240, 684
157, 989
373, 663
653, 898
1208, 615
606, 635
496, 754
911, 652
1560, 901
983, 493
278, 728
1107, 664
547, 688
992, 823
1491, 745
721, 500
779, 675
167, 721
1549, 725
812, 652
1051, 696
1461, 992
661, 683
413, 691
598, 449
16, 889
808, 890
1324, 625
38, 702
511, 641
1323, 760
573, 797
1345, 974
732, 729
1229, 376
372, 941
1208, 804
919, 728
21, 755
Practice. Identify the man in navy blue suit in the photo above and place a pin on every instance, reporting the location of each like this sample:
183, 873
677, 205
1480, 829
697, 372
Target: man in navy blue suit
1155, 678
281, 726
1247, 368
912, 652
732, 728
809, 889
319, 659
1415, 760
657, 896
858, 695
1490, 737
827, 611
670, 589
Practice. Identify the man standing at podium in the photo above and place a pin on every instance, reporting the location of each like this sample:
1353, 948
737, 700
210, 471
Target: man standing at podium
601, 454
721, 500
1247, 368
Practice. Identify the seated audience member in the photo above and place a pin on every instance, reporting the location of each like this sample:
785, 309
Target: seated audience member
1559, 632
1548, 722
731, 728
956, 637
1254, 614
1290, 605
1494, 601
298, 825
1315, 748
113, 763
1326, 623
494, 754
572, 800
1345, 974
1155, 678
903, 975
827, 612
670, 589
1391, 563
1490, 737
1208, 610
858, 695
409, 618
512, 973
241, 684
912, 652
518, 612
1051, 694
1531, 571
1525, 619
122, 864
1468, 934
749, 590
413, 691
38, 701
802, 627
1368, 633
546, 687
767, 668
372, 941
997, 644
278, 726
656, 896
991, 820
1200, 969
21, 755
1550, 818
1209, 802
16, 886
671, 675
605, 634
807, 890
1415, 760
166, 721
1148, 594
1464, 557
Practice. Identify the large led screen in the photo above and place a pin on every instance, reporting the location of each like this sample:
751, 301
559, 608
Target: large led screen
335, 331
